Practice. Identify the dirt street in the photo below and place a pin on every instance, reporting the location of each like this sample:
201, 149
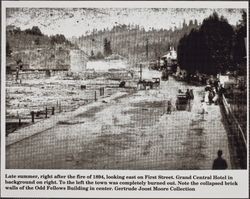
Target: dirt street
130, 132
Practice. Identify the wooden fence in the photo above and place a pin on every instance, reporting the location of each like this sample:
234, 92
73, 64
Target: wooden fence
39, 113
239, 138
234, 122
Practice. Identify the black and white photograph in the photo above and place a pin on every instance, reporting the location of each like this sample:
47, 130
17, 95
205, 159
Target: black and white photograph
123, 88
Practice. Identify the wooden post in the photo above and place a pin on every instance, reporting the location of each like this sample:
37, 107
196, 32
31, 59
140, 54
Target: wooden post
32, 116
140, 71
46, 112
95, 96
101, 91
53, 111
19, 121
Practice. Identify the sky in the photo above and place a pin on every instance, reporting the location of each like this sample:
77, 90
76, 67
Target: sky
74, 22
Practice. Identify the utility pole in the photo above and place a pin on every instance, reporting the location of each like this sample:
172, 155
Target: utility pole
147, 52
147, 49
140, 71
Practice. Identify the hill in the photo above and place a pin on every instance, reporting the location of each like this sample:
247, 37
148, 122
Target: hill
36, 50
133, 41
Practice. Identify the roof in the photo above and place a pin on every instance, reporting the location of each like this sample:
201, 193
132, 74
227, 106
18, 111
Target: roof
172, 54
114, 57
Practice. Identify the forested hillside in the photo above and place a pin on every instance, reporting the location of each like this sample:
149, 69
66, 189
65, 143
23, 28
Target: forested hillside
132, 41
36, 50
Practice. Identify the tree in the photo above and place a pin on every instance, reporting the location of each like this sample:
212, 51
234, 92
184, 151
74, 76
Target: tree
207, 49
8, 50
92, 53
218, 35
37, 41
196, 23
107, 47
58, 39
184, 25
191, 23
99, 55
34, 31
192, 54
239, 47
17, 30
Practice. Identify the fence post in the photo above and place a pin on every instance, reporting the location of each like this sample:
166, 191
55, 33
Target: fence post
19, 121
32, 116
46, 112
53, 111
101, 91
95, 96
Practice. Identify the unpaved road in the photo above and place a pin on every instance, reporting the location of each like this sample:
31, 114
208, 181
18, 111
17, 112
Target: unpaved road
132, 132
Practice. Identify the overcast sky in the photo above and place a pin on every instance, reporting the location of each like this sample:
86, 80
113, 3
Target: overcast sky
76, 21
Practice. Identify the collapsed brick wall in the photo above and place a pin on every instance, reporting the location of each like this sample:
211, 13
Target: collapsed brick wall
78, 61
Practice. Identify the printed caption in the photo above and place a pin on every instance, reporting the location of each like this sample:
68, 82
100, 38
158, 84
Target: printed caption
95, 183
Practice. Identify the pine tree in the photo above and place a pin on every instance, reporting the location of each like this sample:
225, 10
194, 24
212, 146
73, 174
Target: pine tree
8, 50
107, 47
239, 48
37, 41
207, 49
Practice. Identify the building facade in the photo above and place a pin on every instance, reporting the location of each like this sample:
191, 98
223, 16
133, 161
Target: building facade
78, 60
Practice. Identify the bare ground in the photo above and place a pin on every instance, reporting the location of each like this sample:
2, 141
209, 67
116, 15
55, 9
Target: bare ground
129, 132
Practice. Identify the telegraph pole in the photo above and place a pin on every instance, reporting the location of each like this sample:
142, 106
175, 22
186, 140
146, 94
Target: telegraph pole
147, 49
140, 71
147, 52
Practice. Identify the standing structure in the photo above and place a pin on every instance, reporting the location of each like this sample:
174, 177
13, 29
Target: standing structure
78, 60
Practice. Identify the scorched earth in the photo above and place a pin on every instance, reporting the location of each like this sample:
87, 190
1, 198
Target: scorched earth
127, 130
